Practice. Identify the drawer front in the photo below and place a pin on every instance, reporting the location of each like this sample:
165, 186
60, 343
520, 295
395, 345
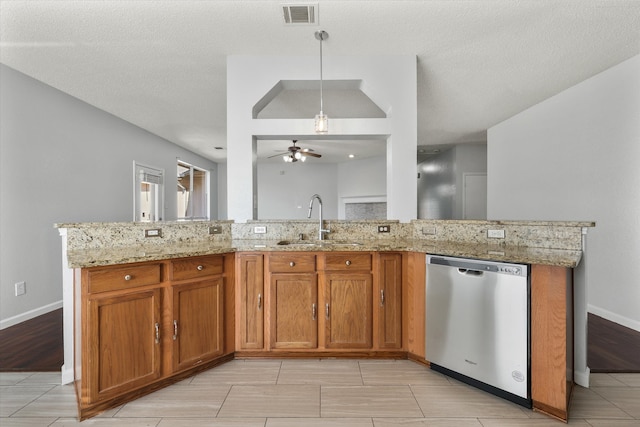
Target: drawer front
193, 268
348, 261
113, 279
292, 263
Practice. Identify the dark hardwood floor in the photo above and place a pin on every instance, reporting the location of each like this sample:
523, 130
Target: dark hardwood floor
612, 347
36, 345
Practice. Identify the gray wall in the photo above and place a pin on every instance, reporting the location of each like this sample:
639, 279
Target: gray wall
576, 156
62, 160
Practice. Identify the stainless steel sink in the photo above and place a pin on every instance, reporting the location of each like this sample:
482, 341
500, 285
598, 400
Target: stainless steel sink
317, 243
296, 243
339, 243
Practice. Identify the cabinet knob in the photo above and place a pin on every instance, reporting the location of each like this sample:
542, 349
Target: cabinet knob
292, 264
348, 262
200, 268
127, 277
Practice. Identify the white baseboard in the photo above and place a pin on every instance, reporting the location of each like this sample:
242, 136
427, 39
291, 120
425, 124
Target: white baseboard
582, 377
613, 317
67, 375
23, 317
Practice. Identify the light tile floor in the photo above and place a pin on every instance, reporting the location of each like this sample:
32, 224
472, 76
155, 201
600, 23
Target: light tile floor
314, 393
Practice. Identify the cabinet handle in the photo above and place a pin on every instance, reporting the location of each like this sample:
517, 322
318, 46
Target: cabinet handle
381, 297
326, 310
200, 268
292, 264
259, 301
175, 330
128, 277
157, 333
348, 262
314, 311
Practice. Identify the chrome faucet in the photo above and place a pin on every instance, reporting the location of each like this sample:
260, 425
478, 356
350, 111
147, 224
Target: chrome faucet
321, 231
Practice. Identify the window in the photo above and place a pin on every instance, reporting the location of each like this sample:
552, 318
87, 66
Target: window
193, 192
148, 190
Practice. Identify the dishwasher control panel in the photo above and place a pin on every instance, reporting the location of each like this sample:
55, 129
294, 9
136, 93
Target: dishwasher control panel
479, 265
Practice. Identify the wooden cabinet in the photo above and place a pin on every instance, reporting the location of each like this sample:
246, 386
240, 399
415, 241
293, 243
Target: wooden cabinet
347, 285
389, 301
121, 343
293, 301
144, 324
318, 301
348, 310
196, 327
250, 301
551, 339
196, 320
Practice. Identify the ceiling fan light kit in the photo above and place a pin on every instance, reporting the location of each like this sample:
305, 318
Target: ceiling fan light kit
295, 153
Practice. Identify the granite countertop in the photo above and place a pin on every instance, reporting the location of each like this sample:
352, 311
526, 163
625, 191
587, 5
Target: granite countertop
139, 253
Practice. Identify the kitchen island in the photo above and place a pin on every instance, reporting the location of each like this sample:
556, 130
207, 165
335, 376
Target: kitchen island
238, 271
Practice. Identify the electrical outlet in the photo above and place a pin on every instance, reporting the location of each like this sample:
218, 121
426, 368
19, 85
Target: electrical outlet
384, 229
259, 229
153, 232
495, 234
21, 288
215, 229
429, 231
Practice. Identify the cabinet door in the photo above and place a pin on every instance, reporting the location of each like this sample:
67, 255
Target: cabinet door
347, 310
122, 343
389, 306
294, 308
197, 322
250, 300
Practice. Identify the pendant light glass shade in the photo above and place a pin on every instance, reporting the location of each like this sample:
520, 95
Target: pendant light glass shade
322, 121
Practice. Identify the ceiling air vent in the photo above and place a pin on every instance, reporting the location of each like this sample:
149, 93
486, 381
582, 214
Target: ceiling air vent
300, 13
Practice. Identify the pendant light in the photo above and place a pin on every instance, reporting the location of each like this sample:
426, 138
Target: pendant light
322, 121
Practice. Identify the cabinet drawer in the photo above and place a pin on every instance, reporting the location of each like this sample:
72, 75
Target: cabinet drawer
115, 278
192, 268
292, 263
347, 261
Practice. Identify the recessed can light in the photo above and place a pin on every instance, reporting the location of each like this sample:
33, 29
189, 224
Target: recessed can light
351, 156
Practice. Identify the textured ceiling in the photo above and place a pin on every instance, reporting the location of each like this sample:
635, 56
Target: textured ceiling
162, 64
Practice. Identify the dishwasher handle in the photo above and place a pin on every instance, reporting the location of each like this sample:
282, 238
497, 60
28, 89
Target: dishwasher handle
468, 272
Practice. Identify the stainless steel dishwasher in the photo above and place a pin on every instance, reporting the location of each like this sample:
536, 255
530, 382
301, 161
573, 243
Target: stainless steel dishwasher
477, 324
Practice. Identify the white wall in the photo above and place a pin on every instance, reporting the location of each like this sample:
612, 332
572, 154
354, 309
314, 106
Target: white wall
284, 190
62, 160
576, 156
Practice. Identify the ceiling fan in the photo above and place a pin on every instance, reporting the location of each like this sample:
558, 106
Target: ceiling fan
295, 153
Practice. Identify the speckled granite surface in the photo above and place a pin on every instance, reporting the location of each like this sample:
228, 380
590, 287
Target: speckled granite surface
551, 243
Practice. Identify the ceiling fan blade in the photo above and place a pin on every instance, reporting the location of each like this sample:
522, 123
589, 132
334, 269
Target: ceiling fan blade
276, 155
311, 154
